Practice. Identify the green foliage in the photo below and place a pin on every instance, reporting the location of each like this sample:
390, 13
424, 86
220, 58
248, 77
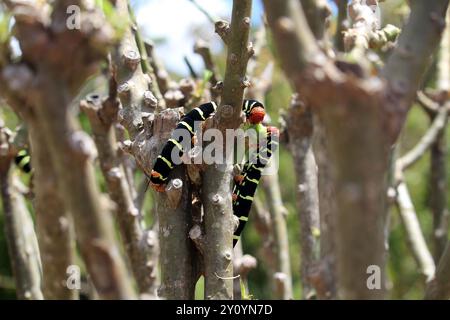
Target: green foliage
244, 294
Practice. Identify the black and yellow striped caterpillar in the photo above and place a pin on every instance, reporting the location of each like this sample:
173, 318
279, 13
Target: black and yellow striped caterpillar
164, 163
23, 161
245, 183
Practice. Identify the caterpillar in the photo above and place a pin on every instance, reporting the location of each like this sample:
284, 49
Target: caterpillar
246, 183
23, 161
164, 163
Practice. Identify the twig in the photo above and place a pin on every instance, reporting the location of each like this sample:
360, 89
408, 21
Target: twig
191, 69
414, 233
430, 106
427, 140
202, 48
19, 229
162, 76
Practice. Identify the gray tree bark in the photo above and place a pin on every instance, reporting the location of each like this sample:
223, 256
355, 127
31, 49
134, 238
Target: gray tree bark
357, 108
19, 228
216, 197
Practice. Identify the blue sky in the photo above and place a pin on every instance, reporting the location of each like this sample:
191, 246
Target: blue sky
180, 23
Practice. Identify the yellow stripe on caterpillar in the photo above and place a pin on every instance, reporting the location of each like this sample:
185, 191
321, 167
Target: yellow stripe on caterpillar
236, 237
256, 168
246, 198
22, 153
243, 218
175, 142
252, 180
187, 126
24, 160
166, 161
200, 112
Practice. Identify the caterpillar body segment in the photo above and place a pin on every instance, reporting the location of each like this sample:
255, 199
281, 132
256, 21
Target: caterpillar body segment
23, 161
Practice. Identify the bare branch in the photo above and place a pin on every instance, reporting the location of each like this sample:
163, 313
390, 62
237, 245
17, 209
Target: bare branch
162, 76
416, 239
439, 124
299, 121
216, 197
202, 48
439, 287
357, 188
142, 254
19, 228
342, 24
411, 57
178, 276
71, 151
54, 224
317, 13
439, 175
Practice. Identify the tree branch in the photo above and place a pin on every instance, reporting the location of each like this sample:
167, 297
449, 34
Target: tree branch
54, 224
342, 25
19, 228
438, 125
61, 71
317, 12
439, 287
148, 133
280, 234
141, 247
216, 197
411, 57
358, 173
439, 176
414, 233
299, 121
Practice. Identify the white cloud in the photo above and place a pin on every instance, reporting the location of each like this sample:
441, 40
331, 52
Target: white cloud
178, 22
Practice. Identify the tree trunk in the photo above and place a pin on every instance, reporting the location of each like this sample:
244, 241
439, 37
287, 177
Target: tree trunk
216, 197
